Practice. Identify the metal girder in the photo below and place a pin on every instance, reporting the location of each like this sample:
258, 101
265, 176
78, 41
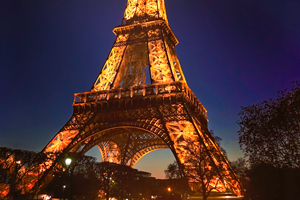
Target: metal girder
128, 148
146, 150
136, 129
126, 118
136, 48
144, 10
68, 132
123, 142
110, 152
109, 70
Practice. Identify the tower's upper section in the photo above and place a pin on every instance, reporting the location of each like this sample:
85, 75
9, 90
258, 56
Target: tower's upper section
144, 50
144, 10
142, 61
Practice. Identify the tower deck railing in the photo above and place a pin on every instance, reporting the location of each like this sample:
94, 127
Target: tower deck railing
165, 89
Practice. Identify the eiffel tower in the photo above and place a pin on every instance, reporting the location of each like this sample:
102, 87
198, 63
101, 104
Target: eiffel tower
128, 118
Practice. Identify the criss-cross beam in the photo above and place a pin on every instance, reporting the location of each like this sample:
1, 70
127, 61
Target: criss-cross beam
125, 145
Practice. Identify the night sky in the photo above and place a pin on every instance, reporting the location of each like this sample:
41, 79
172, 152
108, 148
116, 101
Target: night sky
233, 53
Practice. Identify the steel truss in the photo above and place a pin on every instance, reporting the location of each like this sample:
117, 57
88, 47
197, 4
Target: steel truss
127, 118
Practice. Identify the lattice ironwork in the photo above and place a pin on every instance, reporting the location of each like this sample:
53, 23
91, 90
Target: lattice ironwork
144, 10
142, 152
110, 152
61, 140
127, 118
109, 70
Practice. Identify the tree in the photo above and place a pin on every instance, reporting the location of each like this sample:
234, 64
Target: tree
105, 171
172, 171
205, 166
83, 182
218, 140
177, 180
125, 179
202, 170
270, 131
269, 182
120, 181
92, 180
240, 167
18, 172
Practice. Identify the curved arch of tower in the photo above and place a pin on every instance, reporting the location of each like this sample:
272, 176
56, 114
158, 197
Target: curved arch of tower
127, 118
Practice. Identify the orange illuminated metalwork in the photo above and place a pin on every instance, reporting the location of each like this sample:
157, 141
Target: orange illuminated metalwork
61, 140
126, 117
144, 10
110, 152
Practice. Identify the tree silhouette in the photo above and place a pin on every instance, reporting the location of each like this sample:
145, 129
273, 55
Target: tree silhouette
204, 174
172, 171
270, 131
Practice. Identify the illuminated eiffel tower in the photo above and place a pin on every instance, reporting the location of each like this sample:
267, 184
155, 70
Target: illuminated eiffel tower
128, 118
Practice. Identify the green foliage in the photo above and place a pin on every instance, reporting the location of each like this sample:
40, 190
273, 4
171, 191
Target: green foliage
270, 131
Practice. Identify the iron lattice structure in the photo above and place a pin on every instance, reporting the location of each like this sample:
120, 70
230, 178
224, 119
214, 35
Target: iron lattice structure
127, 118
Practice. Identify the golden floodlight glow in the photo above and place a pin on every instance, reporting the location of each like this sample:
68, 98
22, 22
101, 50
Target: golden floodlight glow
140, 102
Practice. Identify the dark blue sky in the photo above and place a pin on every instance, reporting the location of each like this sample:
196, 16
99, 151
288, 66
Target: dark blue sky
233, 53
